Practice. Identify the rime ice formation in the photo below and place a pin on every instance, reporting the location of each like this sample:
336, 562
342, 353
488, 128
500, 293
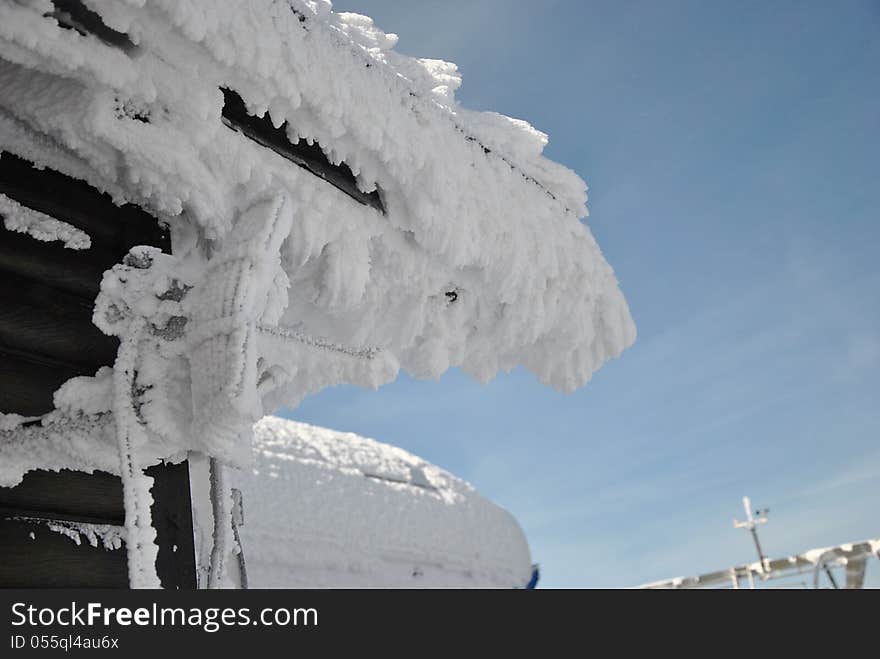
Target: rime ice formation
109, 537
281, 284
40, 226
322, 508
327, 509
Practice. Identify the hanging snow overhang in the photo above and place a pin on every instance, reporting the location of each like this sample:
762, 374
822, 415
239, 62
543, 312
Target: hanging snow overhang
426, 237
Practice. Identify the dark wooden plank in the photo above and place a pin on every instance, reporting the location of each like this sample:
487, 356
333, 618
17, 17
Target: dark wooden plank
52, 560
74, 15
172, 519
71, 200
97, 499
39, 320
46, 337
27, 382
66, 494
75, 271
308, 156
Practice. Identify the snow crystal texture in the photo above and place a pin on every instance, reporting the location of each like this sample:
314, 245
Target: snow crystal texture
330, 509
280, 284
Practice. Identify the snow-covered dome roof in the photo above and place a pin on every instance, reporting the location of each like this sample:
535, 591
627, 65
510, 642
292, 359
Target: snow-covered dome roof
324, 508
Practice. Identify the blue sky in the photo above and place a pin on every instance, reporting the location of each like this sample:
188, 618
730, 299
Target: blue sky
731, 149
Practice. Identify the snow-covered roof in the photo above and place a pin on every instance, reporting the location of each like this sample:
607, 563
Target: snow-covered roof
324, 508
280, 283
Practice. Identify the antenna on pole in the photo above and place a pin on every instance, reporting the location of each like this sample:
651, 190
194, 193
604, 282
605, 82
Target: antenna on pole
752, 521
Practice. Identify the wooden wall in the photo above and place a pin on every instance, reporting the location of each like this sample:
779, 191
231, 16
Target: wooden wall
46, 336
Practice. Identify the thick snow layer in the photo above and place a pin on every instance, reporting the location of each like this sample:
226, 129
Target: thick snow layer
84, 444
280, 284
472, 205
330, 509
81, 443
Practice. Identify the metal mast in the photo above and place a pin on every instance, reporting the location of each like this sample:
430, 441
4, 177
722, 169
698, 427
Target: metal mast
751, 523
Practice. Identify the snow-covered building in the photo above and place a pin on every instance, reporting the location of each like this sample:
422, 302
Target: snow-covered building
251, 201
317, 508
322, 508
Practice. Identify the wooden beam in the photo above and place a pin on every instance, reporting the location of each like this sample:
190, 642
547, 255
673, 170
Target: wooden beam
70, 495
73, 496
74, 15
27, 382
33, 556
38, 320
75, 271
116, 228
172, 519
308, 156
